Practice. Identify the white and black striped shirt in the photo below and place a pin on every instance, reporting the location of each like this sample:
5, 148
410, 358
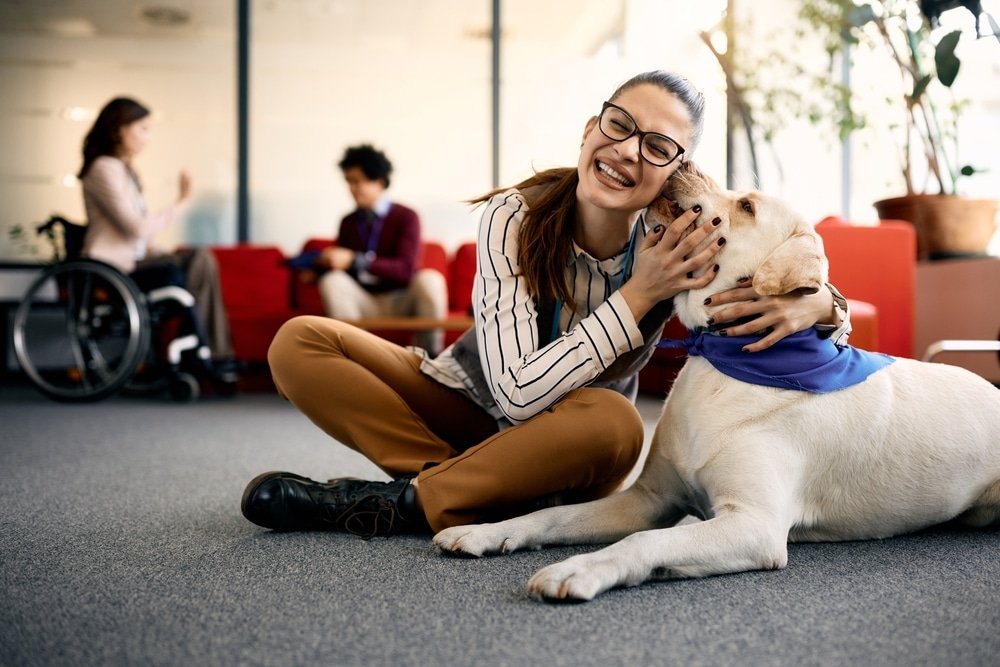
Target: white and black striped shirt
524, 379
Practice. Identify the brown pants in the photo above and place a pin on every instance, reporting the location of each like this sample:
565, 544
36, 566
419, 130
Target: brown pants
370, 395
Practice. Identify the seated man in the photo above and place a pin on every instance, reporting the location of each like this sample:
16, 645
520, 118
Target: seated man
372, 271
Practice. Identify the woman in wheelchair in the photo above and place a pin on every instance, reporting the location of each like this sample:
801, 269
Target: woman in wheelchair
120, 229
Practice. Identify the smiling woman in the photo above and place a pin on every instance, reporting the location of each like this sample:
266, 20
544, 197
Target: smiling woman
534, 404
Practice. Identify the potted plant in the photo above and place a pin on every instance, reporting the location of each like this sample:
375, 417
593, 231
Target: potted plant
924, 110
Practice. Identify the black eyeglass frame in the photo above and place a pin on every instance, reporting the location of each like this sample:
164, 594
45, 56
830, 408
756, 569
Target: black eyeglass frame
637, 131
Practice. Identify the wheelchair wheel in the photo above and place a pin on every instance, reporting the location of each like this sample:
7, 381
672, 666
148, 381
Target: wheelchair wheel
81, 331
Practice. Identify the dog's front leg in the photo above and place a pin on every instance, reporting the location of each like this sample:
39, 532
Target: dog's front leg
598, 521
731, 542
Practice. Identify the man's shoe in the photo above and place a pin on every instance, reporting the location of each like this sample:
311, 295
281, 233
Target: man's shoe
284, 501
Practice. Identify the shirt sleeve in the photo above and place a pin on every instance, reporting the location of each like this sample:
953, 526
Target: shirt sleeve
524, 378
107, 184
837, 334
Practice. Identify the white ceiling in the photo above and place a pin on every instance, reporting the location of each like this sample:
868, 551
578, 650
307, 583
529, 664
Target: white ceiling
583, 25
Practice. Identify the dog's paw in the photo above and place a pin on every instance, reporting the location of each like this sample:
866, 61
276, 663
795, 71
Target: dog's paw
577, 578
477, 540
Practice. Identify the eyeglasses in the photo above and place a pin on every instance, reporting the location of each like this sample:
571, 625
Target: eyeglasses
657, 149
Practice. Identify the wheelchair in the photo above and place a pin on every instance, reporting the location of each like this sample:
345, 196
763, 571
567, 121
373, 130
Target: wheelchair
85, 331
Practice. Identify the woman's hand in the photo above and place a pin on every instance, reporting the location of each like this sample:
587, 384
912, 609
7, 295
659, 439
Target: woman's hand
184, 187
669, 262
774, 316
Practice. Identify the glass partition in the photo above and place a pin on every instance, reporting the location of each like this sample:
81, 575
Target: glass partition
411, 78
61, 62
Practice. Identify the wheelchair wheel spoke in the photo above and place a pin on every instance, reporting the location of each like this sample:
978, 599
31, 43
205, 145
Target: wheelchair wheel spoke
75, 313
98, 364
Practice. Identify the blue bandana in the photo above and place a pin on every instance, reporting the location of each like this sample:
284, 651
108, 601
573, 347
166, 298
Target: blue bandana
802, 361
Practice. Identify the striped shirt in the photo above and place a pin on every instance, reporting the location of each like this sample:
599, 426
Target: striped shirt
523, 378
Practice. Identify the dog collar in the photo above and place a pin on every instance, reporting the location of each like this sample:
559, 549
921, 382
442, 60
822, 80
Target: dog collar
801, 361
713, 329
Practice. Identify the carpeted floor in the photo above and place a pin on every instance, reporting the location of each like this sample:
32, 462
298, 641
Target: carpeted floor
121, 543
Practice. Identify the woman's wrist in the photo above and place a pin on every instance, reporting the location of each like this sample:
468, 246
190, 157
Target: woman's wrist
637, 302
828, 314
836, 313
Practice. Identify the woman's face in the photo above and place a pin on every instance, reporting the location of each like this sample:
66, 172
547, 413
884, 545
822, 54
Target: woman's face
133, 137
613, 175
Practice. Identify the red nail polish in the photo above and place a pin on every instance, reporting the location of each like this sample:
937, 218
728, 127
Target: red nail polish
707, 301
716, 221
722, 242
696, 208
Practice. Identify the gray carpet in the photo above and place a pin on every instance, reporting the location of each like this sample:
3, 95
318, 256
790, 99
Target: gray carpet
121, 543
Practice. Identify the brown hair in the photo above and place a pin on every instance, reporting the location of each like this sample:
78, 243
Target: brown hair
104, 136
545, 239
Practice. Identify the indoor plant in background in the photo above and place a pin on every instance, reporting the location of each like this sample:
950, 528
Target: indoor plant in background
925, 111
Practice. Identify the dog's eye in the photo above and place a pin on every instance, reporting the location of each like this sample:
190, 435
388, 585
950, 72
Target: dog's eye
746, 205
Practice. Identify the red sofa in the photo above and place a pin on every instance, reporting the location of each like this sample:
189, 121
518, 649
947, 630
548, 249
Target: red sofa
261, 292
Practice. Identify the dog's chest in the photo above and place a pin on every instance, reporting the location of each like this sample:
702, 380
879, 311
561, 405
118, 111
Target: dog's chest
710, 419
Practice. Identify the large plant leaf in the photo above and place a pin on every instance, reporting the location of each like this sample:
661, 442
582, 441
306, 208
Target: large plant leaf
945, 60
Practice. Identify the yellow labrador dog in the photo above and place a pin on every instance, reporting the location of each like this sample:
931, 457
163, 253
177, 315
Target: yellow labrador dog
906, 445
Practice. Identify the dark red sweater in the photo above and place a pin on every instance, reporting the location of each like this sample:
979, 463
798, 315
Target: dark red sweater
397, 251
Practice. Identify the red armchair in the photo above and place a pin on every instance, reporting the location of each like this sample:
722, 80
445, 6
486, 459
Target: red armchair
261, 291
876, 264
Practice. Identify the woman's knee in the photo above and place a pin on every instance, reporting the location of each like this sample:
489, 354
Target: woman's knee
296, 336
617, 424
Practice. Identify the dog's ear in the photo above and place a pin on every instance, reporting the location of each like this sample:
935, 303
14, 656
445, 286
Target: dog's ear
797, 265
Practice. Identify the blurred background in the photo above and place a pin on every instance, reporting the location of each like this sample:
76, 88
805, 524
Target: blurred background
459, 100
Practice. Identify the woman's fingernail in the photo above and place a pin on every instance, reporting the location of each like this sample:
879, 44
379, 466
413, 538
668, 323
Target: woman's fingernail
716, 268
744, 280
708, 301
723, 332
722, 241
716, 221
711, 321
696, 208
658, 229
690, 274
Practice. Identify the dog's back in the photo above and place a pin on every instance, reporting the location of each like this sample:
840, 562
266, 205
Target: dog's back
911, 446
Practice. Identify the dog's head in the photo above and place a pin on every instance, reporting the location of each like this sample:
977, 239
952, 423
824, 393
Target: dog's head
765, 240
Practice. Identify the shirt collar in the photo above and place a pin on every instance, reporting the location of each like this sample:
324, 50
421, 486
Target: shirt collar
382, 206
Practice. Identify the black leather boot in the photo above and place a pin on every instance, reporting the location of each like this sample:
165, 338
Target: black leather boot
284, 501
